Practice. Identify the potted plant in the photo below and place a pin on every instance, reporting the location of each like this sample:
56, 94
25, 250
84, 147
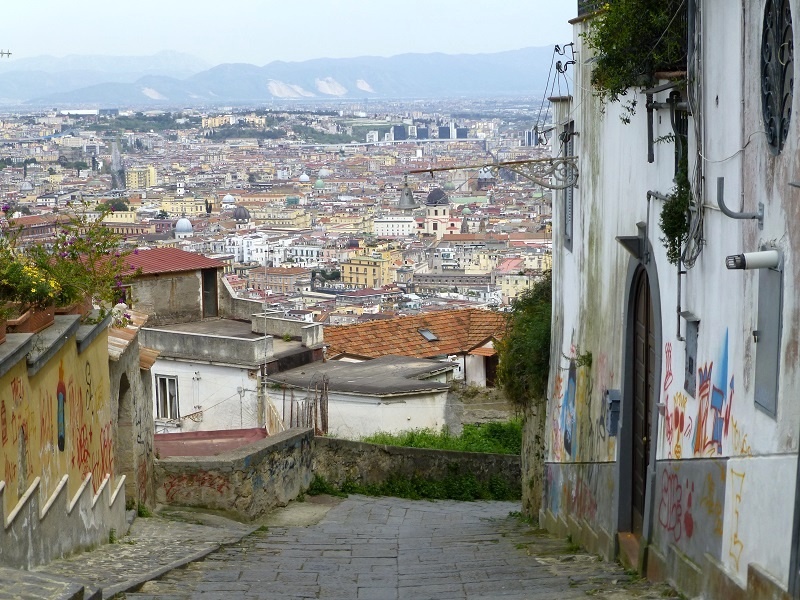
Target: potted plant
27, 292
88, 259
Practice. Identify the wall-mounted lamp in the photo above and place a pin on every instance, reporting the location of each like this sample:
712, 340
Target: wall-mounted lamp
766, 259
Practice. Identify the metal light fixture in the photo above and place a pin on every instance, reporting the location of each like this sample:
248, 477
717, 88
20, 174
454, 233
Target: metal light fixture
765, 259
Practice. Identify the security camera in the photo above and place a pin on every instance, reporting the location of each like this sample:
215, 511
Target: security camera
766, 259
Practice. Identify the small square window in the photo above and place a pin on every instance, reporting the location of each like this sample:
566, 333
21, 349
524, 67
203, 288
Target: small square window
428, 335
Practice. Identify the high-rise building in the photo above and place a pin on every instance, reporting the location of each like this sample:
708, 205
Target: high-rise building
444, 132
462, 133
423, 133
399, 132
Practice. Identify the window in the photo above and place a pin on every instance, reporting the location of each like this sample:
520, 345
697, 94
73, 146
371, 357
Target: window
435, 226
428, 335
167, 397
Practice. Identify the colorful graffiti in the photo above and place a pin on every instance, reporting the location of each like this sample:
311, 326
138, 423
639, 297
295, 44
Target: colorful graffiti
737, 545
568, 410
714, 413
712, 498
189, 483
579, 411
56, 422
675, 511
697, 428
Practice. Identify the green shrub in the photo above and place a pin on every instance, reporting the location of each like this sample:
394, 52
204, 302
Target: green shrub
496, 438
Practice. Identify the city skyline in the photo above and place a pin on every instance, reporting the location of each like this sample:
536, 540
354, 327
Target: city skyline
259, 33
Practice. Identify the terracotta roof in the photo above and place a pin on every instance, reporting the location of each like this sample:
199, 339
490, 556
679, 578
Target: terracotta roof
458, 331
170, 260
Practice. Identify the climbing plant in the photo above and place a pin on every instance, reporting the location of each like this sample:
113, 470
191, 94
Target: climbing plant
632, 40
524, 351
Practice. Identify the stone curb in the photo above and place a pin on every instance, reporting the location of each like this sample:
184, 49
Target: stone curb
132, 584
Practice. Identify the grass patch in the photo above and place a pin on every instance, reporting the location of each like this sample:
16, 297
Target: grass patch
320, 485
143, 511
495, 438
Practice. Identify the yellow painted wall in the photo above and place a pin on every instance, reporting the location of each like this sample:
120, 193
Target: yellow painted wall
31, 408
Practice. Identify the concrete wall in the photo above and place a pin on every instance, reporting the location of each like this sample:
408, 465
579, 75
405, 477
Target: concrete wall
217, 348
169, 297
132, 417
41, 529
353, 416
248, 482
231, 307
338, 460
275, 325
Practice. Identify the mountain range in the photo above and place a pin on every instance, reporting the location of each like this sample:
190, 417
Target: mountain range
175, 79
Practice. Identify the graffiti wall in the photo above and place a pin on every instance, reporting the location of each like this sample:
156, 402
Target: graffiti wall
56, 422
579, 411
584, 491
689, 507
701, 422
751, 534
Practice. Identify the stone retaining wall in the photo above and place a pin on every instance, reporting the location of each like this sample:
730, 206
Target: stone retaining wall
254, 479
338, 460
248, 481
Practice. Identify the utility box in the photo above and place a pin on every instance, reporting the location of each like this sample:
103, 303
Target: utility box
613, 401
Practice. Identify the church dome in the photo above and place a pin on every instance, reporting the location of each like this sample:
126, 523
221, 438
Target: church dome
437, 197
183, 225
319, 184
449, 186
466, 211
241, 214
324, 173
304, 178
228, 199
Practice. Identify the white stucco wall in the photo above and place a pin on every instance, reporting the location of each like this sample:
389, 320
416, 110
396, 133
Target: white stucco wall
212, 389
352, 417
590, 291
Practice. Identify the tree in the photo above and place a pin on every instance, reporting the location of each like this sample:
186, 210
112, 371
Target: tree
117, 204
522, 373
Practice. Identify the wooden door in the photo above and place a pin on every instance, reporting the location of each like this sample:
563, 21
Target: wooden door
644, 360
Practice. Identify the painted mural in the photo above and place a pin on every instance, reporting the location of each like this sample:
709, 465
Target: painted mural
57, 422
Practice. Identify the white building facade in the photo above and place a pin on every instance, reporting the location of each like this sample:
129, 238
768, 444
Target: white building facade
673, 425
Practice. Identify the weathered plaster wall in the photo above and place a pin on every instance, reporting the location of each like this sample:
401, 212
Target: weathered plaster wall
57, 422
58, 490
338, 460
249, 481
132, 416
709, 437
169, 297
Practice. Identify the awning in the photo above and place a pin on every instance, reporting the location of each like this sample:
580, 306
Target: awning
483, 351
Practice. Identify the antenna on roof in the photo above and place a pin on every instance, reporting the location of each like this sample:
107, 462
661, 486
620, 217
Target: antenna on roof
5, 53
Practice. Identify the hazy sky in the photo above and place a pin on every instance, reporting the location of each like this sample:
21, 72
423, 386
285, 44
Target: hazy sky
260, 31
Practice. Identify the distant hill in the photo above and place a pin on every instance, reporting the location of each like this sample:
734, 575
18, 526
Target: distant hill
170, 79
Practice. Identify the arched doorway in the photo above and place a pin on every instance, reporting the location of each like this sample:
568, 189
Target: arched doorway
642, 383
123, 442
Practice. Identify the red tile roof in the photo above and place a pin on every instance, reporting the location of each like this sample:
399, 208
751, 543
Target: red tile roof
170, 260
458, 331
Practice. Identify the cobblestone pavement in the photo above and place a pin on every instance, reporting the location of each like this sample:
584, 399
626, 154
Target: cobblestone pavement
153, 547
387, 548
